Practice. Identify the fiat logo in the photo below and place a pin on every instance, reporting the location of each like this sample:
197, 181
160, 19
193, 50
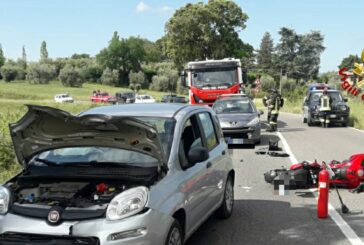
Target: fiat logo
53, 216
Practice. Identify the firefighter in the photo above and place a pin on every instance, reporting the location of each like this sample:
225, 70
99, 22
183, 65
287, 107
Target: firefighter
325, 108
266, 103
274, 102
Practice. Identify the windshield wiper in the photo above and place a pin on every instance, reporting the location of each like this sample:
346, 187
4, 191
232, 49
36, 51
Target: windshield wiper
45, 161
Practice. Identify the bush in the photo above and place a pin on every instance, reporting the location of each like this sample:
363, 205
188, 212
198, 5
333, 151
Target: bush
267, 82
71, 77
137, 78
166, 81
10, 71
40, 73
110, 77
7, 155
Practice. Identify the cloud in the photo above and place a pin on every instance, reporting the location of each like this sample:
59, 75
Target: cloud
165, 9
142, 7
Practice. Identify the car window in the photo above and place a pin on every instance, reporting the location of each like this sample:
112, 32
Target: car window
233, 106
208, 129
190, 138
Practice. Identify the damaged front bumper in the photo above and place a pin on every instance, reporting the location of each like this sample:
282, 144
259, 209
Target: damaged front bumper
138, 229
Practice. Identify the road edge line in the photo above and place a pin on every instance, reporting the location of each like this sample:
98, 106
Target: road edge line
348, 232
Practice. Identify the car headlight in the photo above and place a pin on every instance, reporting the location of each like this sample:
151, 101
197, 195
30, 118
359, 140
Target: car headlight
127, 203
224, 124
4, 200
343, 108
253, 122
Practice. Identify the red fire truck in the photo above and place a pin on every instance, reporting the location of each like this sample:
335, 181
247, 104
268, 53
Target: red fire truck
209, 79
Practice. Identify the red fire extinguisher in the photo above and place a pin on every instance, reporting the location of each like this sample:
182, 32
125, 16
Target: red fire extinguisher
323, 199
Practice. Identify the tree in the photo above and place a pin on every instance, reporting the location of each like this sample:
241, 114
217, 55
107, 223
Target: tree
43, 51
298, 56
9, 71
348, 62
71, 76
123, 55
166, 78
264, 56
307, 61
40, 73
287, 50
22, 63
80, 56
136, 80
2, 57
200, 31
110, 77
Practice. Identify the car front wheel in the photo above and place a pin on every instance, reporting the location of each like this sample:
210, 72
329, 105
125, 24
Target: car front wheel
226, 208
175, 234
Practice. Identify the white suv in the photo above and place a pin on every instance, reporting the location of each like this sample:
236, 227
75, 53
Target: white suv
63, 98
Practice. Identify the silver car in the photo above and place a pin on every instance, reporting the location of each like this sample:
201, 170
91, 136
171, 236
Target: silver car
239, 119
124, 174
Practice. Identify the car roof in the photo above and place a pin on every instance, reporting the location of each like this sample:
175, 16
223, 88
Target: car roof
233, 95
148, 110
242, 98
61, 94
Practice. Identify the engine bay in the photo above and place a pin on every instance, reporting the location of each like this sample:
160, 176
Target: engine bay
71, 194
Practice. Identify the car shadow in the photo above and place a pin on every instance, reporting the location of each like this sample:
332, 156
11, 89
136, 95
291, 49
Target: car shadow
267, 222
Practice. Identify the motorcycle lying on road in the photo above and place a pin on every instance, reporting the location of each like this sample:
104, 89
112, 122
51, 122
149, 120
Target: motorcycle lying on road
345, 174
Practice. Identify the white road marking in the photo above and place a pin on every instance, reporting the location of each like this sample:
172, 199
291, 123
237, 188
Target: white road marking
361, 131
335, 216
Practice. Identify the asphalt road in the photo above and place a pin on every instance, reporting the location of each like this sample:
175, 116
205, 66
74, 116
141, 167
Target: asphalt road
262, 217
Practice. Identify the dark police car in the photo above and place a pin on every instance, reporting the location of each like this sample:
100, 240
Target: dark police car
339, 113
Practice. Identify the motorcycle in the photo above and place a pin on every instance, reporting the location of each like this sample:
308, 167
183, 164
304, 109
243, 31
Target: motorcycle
347, 174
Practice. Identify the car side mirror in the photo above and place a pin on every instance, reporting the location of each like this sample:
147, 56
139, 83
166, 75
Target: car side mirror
345, 99
183, 76
260, 112
197, 154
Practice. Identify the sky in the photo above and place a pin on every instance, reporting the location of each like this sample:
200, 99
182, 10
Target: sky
86, 26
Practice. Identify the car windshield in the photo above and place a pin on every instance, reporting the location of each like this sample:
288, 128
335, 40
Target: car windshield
145, 97
334, 95
232, 106
217, 78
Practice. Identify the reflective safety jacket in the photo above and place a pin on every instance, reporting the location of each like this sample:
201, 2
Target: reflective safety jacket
325, 103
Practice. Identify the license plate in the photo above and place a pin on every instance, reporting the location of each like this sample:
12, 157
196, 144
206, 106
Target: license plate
234, 141
333, 116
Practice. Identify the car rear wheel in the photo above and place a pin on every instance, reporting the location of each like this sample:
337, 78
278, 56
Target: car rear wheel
304, 119
175, 234
226, 208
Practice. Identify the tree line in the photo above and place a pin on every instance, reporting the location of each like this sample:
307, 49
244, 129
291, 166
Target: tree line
195, 32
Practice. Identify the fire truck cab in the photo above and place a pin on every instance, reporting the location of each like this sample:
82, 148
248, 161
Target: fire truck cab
209, 79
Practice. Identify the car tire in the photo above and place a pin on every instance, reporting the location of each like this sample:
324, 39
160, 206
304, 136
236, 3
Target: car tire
257, 142
226, 208
345, 124
304, 119
175, 234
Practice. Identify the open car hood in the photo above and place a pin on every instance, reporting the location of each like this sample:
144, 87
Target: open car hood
44, 128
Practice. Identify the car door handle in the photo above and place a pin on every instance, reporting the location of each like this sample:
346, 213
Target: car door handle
223, 152
208, 165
